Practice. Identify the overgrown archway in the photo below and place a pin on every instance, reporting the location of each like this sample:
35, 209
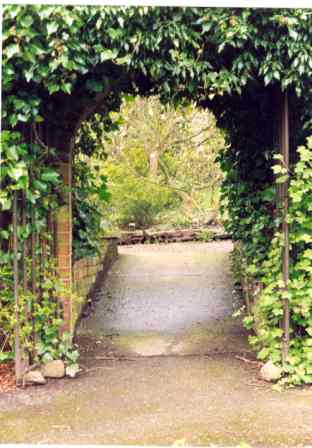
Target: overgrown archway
63, 63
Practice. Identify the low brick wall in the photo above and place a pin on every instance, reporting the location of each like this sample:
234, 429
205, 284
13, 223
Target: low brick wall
88, 272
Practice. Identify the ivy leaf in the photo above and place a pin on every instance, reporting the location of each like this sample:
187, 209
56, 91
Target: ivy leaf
47, 357
23, 118
16, 172
38, 185
269, 195
207, 27
276, 75
6, 356
5, 203
12, 153
108, 55
66, 87
12, 50
5, 234
103, 194
27, 21
123, 60
29, 74
50, 176
52, 27
53, 88
278, 169
293, 34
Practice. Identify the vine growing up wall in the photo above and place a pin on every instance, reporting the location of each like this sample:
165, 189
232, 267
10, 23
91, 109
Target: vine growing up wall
252, 176
30, 318
268, 306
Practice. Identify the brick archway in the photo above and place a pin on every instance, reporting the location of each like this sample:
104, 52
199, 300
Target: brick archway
63, 116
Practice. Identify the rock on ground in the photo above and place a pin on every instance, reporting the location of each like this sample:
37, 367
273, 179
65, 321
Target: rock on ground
34, 377
54, 369
270, 372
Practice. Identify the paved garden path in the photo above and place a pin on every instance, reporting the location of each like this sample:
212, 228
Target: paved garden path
168, 299
175, 301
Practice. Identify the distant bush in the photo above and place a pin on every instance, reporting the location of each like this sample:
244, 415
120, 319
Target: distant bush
135, 199
139, 211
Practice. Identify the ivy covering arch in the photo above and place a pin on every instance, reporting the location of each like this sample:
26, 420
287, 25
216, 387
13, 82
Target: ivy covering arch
61, 64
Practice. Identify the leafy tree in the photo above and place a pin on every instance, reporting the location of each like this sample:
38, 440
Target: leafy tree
164, 151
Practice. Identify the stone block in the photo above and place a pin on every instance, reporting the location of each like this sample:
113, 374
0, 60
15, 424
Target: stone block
34, 377
54, 369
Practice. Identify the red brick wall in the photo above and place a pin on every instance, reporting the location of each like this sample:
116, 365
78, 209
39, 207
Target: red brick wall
86, 272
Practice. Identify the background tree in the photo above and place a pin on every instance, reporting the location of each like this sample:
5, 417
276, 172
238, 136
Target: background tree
165, 156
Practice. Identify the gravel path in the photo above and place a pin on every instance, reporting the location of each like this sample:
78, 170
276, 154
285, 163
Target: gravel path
170, 300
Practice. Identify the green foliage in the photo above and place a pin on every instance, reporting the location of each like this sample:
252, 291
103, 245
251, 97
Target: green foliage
40, 319
161, 157
23, 169
187, 52
89, 193
28, 170
173, 218
206, 235
268, 306
92, 134
59, 347
134, 199
70, 354
252, 212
